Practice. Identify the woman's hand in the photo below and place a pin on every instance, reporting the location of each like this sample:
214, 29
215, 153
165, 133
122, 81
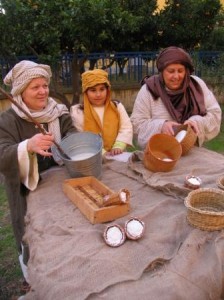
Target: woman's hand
168, 127
40, 144
193, 125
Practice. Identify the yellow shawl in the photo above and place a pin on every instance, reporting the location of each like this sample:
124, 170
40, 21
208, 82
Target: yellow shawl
111, 120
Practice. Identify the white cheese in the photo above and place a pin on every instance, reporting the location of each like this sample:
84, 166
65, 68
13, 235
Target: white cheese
134, 228
114, 235
123, 196
194, 181
167, 159
181, 135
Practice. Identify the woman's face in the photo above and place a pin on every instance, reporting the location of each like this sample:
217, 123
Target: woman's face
173, 76
36, 94
97, 94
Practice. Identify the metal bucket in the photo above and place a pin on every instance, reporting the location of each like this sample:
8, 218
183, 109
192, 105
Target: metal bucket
85, 151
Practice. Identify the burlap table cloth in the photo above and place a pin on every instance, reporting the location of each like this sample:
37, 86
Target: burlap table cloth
173, 260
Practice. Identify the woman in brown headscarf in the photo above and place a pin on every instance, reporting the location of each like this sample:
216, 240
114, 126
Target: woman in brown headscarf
175, 97
99, 114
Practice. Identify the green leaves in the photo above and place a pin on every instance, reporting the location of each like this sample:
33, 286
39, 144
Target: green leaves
187, 23
50, 27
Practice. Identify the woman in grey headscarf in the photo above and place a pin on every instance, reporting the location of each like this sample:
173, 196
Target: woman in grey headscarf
24, 151
175, 97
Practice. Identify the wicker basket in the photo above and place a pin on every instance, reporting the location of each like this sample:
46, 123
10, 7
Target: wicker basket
160, 148
206, 208
220, 182
189, 140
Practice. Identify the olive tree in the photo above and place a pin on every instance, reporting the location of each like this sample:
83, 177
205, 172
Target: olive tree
47, 29
187, 23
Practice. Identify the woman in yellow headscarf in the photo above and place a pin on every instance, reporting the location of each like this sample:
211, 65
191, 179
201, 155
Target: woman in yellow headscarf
100, 114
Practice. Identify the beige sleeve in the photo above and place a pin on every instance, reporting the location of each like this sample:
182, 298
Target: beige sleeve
125, 133
28, 167
77, 116
148, 116
209, 125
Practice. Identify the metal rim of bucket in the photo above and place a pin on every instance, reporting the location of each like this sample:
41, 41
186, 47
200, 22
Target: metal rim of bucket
86, 142
95, 135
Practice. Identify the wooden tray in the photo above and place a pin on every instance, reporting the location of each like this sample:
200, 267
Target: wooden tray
87, 193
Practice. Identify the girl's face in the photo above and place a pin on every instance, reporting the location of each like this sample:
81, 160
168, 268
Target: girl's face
36, 94
97, 94
173, 76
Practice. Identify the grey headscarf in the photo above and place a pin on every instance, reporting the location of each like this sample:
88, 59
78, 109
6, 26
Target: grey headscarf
23, 72
19, 77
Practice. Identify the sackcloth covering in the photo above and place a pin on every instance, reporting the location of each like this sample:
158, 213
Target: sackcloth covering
173, 260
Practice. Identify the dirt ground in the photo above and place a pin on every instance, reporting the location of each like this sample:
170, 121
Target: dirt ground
12, 290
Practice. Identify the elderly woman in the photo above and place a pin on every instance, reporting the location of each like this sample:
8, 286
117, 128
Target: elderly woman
100, 114
24, 151
175, 97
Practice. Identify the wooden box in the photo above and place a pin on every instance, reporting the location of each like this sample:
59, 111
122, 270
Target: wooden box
87, 194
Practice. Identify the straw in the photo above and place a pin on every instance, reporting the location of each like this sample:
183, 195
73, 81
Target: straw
206, 208
220, 182
189, 140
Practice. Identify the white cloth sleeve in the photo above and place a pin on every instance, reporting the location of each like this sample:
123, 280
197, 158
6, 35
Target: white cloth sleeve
209, 125
125, 133
77, 116
28, 167
149, 115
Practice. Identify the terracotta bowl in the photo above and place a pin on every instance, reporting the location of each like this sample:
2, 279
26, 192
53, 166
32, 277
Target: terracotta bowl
162, 153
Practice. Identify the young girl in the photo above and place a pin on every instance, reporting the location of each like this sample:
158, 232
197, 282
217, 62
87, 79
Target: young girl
100, 114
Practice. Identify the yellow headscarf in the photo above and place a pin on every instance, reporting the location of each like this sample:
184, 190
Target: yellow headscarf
111, 119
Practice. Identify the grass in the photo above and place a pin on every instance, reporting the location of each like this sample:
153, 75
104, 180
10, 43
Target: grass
10, 273
217, 144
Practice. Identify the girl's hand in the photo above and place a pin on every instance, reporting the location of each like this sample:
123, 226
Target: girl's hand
40, 144
115, 151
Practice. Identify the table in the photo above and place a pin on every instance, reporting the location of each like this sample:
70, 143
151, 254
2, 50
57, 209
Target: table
173, 260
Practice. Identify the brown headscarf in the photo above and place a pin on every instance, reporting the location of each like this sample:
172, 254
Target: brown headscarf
189, 99
111, 121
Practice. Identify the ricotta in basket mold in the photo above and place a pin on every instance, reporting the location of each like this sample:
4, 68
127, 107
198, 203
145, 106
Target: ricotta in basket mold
181, 135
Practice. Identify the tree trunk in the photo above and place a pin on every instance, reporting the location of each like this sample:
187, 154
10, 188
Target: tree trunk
61, 97
76, 81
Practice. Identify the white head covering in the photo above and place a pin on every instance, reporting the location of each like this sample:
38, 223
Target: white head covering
22, 74
19, 77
